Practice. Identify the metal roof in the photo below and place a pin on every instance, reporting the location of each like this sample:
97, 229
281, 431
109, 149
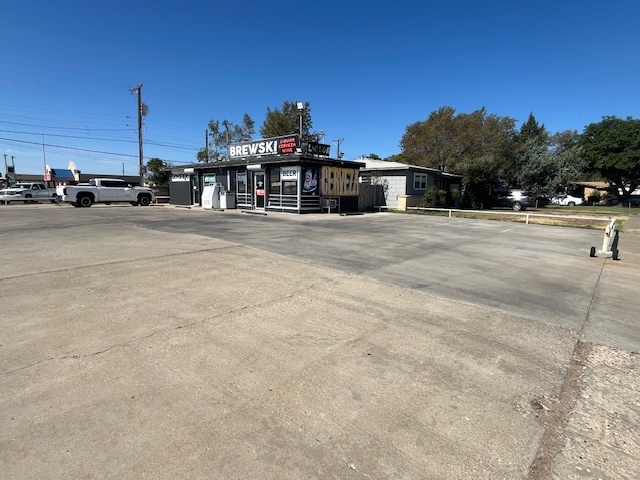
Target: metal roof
378, 165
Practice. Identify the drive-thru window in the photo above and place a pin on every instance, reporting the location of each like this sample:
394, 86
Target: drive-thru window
273, 174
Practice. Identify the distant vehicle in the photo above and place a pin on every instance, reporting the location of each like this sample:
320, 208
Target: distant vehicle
515, 199
28, 193
566, 200
633, 201
105, 190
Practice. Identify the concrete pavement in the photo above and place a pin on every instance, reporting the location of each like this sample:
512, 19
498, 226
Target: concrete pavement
136, 347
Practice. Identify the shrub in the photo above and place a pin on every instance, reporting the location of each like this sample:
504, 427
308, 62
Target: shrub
434, 198
594, 197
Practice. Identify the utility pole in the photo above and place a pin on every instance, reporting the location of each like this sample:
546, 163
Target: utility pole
206, 145
44, 160
139, 90
13, 170
338, 142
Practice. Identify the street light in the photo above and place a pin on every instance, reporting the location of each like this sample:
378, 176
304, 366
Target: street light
300, 110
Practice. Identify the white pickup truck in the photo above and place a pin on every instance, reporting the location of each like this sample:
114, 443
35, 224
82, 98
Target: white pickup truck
105, 190
28, 193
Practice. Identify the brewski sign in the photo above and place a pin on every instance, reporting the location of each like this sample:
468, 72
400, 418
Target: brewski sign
268, 146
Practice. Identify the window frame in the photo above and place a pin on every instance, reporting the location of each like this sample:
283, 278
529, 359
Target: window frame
418, 179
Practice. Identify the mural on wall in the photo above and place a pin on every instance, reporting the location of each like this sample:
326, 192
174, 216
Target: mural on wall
339, 181
310, 181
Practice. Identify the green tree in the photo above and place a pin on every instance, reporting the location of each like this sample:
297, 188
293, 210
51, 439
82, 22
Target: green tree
445, 139
532, 164
476, 145
531, 130
544, 164
156, 173
398, 157
434, 142
286, 121
222, 133
612, 148
569, 161
372, 156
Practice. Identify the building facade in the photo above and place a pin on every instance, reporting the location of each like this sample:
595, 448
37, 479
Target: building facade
404, 185
272, 174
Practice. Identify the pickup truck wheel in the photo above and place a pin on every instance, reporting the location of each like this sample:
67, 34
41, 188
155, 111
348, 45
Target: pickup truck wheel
517, 206
85, 201
144, 200
571, 204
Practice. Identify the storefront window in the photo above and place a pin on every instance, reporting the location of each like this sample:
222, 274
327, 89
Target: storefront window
242, 182
290, 187
232, 181
274, 181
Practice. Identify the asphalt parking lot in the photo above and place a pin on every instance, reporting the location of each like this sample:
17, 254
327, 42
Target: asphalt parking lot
170, 343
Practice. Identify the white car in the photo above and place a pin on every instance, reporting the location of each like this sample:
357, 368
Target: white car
566, 200
28, 193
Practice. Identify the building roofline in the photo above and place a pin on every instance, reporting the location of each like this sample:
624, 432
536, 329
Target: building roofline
267, 160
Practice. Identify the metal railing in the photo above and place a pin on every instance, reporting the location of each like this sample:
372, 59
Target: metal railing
497, 212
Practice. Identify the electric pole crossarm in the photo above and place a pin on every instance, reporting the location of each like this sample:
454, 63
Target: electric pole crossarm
338, 142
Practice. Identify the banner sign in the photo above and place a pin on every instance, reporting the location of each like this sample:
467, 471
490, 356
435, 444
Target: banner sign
268, 146
180, 177
318, 149
310, 181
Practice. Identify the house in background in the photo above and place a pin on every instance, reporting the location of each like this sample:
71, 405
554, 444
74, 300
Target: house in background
587, 189
398, 185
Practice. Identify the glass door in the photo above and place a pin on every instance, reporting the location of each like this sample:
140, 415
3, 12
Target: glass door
259, 189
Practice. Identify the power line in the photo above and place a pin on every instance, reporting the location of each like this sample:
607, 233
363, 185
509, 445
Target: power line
69, 148
38, 145
70, 136
64, 128
148, 142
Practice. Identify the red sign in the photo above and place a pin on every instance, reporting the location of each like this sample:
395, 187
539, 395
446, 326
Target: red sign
260, 192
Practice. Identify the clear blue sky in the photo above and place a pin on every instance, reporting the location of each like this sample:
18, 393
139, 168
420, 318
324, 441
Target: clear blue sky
368, 69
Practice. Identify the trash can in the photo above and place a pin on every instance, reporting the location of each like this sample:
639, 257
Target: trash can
227, 200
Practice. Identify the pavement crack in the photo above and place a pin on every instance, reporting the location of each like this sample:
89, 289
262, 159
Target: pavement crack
593, 297
556, 418
120, 262
354, 468
141, 339
342, 457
